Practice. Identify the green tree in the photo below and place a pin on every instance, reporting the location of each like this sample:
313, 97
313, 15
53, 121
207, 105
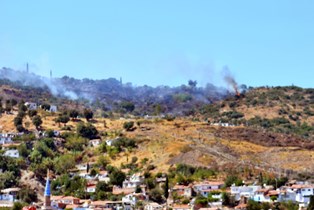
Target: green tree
27, 195
128, 126
156, 195
117, 177
45, 106
64, 163
18, 206
88, 114
63, 119
311, 204
253, 205
36, 120
87, 130
76, 143
74, 114
32, 113
166, 188
127, 106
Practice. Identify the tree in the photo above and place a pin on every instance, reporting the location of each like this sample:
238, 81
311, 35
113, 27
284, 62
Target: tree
18, 123
36, 120
87, 130
64, 163
74, 114
311, 204
27, 195
63, 119
22, 107
128, 126
103, 161
45, 107
127, 106
155, 195
117, 177
32, 113
17, 206
192, 83
88, 114
166, 188
75, 143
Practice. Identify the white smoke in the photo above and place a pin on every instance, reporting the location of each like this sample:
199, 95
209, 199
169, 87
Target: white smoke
33, 80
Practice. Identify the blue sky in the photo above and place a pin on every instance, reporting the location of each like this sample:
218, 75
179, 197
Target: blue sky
162, 42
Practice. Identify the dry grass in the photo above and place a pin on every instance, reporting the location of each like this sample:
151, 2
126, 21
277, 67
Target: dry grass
182, 140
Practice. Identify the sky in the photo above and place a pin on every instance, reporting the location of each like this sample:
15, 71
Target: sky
162, 42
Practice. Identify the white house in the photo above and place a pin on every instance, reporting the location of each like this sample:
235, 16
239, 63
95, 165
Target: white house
94, 142
31, 105
14, 153
153, 206
133, 181
90, 188
243, 191
265, 195
183, 190
303, 192
86, 175
130, 199
53, 108
5, 139
103, 176
9, 194
287, 194
208, 185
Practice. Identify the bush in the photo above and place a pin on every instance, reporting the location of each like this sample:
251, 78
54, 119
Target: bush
128, 126
87, 130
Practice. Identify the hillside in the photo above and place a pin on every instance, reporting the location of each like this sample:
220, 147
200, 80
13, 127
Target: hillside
285, 110
261, 132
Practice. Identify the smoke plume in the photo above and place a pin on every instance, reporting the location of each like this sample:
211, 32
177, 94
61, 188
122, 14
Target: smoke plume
30, 79
229, 79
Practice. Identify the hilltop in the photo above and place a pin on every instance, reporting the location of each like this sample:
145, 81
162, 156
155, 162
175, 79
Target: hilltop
108, 95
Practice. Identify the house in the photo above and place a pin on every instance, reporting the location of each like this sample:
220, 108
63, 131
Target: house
65, 200
132, 182
109, 205
133, 198
265, 194
118, 190
286, 194
31, 106
153, 206
243, 191
103, 176
90, 187
204, 188
9, 194
14, 153
53, 108
303, 192
94, 142
87, 175
181, 207
183, 190
5, 139
85, 166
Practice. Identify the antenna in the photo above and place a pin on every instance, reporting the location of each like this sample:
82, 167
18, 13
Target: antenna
50, 74
27, 67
